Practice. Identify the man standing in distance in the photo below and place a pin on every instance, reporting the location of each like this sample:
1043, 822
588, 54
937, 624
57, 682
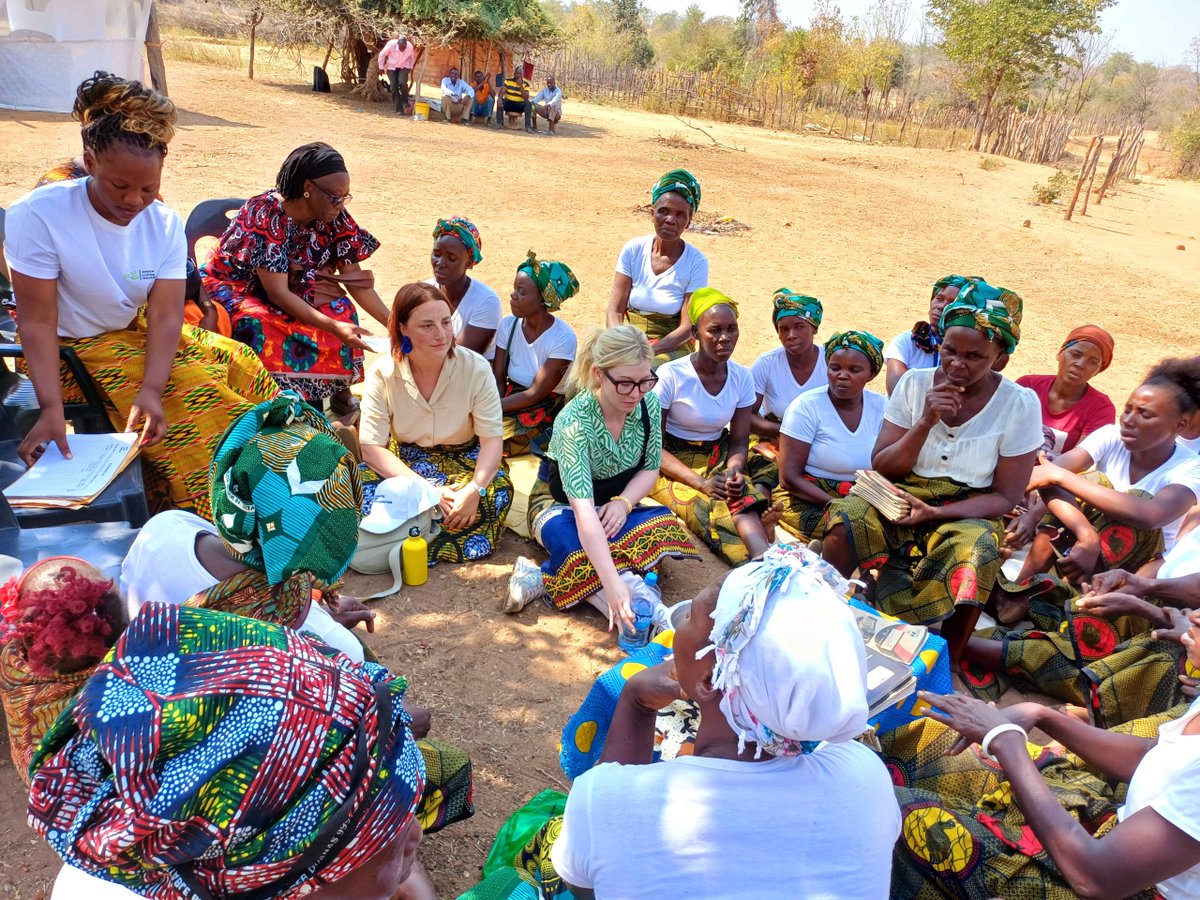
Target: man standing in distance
397, 59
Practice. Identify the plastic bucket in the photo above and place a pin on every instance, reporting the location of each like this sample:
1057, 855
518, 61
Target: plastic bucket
421, 110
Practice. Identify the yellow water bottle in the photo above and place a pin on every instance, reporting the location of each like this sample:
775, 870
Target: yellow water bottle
415, 555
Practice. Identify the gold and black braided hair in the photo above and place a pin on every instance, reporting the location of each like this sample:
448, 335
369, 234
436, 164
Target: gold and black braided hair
111, 109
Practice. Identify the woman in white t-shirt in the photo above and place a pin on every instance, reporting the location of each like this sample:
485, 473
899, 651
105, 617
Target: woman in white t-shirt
783, 374
1140, 482
475, 309
779, 800
827, 434
98, 265
707, 400
534, 349
959, 441
1154, 845
657, 273
918, 347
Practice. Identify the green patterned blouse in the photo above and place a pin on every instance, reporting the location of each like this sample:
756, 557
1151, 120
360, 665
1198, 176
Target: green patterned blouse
584, 449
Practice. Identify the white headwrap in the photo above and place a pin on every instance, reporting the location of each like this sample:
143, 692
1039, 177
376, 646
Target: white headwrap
789, 656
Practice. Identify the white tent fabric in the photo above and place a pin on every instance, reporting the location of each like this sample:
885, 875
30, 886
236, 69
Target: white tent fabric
50, 46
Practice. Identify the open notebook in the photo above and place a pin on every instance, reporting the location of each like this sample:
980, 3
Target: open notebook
56, 482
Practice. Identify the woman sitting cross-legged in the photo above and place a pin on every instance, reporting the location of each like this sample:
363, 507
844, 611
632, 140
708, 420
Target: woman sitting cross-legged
658, 273
1140, 482
783, 374
827, 434
919, 348
475, 308
279, 564
707, 401
602, 461
98, 265
775, 662
286, 268
438, 406
534, 349
1068, 843
959, 441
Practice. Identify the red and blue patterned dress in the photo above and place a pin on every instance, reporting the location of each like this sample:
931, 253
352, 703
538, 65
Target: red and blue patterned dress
312, 362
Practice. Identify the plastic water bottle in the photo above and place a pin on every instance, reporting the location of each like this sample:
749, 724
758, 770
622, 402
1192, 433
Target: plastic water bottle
643, 601
415, 555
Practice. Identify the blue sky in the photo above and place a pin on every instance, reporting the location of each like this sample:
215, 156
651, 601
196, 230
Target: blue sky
1155, 30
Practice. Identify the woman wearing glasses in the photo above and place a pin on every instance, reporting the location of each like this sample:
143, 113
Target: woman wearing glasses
284, 268
602, 461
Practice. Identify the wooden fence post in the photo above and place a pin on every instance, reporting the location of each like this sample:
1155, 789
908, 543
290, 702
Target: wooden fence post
1080, 180
1092, 176
154, 54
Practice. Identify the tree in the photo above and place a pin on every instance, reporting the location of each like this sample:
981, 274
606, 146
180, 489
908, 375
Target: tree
1005, 44
627, 18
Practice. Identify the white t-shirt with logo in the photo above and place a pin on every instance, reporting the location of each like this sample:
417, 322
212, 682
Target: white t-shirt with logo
661, 293
481, 307
773, 379
105, 271
1168, 781
835, 451
692, 412
821, 826
1111, 458
525, 359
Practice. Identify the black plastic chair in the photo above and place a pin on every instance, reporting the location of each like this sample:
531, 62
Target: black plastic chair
209, 218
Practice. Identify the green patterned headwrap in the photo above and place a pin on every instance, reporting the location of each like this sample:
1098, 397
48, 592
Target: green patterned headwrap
958, 281
789, 303
285, 492
461, 228
994, 311
863, 341
705, 299
681, 182
555, 280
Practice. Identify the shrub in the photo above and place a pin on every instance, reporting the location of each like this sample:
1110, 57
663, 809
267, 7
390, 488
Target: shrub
1185, 145
990, 163
1056, 185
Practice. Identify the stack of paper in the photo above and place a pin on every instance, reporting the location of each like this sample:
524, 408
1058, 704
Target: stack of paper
60, 483
881, 494
891, 647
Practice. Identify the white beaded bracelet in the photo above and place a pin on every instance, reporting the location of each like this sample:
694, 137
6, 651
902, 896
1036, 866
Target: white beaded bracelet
985, 745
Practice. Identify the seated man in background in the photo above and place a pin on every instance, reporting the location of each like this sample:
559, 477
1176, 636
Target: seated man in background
547, 103
516, 97
457, 97
484, 101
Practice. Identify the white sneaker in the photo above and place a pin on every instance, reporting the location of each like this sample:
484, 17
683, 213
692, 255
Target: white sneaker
524, 585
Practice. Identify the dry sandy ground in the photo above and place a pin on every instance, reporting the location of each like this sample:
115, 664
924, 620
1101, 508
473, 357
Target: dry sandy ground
864, 228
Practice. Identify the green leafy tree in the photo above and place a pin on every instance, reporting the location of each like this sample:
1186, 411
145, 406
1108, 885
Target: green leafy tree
1003, 45
627, 19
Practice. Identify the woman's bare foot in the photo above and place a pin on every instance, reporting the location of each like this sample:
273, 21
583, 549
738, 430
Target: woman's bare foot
1010, 608
770, 518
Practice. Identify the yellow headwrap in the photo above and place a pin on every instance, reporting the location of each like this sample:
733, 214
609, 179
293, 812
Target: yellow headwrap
705, 299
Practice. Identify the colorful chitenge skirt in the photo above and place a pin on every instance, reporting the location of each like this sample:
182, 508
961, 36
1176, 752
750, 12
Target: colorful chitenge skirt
803, 519
1121, 546
301, 358
924, 572
528, 430
449, 795
1112, 667
706, 517
213, 381
453, 467
650, 534
658, 326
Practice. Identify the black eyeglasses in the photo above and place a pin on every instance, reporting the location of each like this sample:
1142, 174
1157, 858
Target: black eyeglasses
625, 387
335, 199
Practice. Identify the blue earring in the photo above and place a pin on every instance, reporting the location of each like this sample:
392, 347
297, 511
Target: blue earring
405, 345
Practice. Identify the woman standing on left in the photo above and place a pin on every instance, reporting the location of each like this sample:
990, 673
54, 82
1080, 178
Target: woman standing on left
284, 268
98, 265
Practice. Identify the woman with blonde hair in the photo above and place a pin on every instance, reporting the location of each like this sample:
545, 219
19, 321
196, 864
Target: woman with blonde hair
98, 265
602, 461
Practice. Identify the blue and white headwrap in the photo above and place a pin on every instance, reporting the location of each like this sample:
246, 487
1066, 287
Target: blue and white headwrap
789, 658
